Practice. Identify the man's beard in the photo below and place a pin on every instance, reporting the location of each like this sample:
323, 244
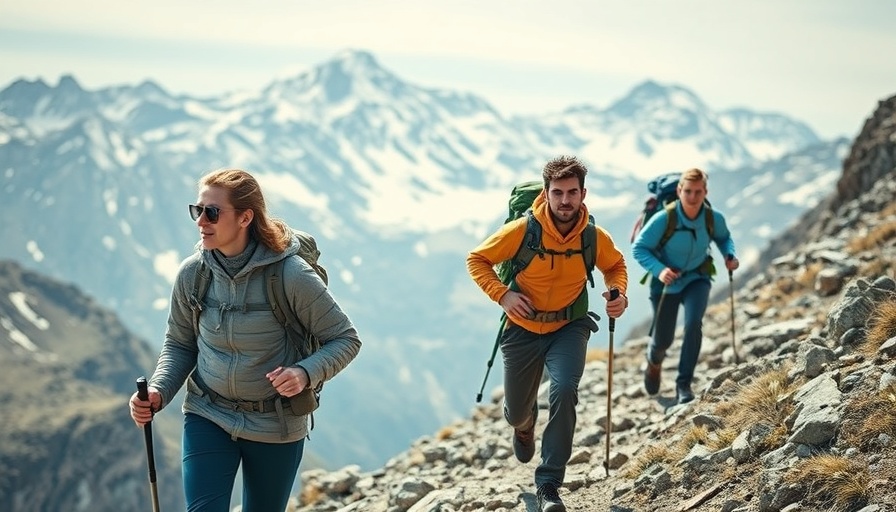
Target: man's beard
572, 220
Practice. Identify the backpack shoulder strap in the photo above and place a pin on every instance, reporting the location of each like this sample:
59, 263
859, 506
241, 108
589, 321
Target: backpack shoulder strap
530, 246
275, 287
276, 291
589, 248
671, 223
201, 280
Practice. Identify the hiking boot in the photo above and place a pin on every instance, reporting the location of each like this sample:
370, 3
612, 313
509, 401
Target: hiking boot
652, 378
683, 393
524, 443
548, 499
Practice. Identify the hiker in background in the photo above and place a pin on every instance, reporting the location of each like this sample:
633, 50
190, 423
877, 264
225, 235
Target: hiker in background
682, 270
537, 334
238, 364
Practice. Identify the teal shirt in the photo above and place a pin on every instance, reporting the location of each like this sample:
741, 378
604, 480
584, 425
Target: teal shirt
686, 250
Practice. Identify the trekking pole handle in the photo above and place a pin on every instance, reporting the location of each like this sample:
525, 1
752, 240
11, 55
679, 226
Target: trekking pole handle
143, 394
142, 389
614, 294
730, 272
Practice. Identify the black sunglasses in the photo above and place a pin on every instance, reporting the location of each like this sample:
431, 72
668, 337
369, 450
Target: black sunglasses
211, 212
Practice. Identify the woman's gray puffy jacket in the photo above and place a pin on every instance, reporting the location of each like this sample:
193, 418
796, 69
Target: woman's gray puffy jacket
236, 348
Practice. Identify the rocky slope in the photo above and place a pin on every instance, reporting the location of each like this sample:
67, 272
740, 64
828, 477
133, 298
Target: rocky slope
67, 368
801, 419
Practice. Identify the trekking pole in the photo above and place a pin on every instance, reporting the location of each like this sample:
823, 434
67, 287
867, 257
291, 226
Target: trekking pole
656, 314
659, 307
614, 293
143, 394
491, 360
731, 296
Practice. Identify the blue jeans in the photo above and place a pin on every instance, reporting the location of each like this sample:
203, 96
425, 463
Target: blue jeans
694, 297
526, 356
210, 462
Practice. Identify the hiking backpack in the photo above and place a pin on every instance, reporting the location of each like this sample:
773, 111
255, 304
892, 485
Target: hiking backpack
663, 195
275, 295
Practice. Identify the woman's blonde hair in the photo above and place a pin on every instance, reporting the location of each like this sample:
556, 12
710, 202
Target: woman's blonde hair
244, 193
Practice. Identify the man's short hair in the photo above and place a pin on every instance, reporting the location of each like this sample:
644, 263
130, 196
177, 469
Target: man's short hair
693, 174
564, 167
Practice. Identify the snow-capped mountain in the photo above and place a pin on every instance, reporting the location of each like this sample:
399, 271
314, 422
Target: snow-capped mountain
396, 181
659, 127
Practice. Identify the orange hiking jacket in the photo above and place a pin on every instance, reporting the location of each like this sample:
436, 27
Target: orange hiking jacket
552, 282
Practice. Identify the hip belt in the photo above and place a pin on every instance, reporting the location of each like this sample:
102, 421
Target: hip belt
269, 405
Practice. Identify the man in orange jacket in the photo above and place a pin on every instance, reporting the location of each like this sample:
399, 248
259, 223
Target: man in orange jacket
535, 337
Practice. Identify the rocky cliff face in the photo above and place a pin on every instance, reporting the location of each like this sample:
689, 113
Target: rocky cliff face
67, 368
870, 160
801, 420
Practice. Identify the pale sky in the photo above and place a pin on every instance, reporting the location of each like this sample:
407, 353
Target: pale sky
824, 62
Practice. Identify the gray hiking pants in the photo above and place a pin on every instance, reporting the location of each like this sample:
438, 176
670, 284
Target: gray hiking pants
526, 356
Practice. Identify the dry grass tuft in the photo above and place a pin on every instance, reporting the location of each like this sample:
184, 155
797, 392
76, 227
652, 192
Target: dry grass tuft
668, 455
888, 211
445, 433
723, 439
876, 267
806, 279
764, 400
870, 415
695, 435
597, 354
877, 237
310, 495
883, 327
784, 289
653, 454
832, 481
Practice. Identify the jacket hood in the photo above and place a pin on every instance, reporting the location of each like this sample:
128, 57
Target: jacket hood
262, 256
541, 210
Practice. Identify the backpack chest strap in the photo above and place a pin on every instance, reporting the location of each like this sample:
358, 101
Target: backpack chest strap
245, 308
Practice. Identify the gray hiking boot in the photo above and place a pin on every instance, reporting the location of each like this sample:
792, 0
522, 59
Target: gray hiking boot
683, 393
524, 443
548, 499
